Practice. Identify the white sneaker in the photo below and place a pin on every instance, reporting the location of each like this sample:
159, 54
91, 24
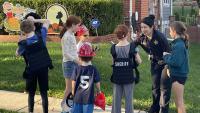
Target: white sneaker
65, 108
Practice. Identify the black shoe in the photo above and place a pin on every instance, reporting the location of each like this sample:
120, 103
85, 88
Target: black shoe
151, 110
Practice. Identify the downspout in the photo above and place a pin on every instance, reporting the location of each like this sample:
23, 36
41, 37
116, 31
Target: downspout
130, 17
161, 15
171, 7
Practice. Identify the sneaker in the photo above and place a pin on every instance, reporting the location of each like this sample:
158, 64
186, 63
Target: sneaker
65, 112
65, 108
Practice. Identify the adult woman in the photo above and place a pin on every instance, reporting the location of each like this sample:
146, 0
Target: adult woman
155, 43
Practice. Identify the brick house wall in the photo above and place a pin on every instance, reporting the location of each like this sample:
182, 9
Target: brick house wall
142, 6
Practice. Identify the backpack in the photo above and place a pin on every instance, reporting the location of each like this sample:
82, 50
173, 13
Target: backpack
123, 67
37, 56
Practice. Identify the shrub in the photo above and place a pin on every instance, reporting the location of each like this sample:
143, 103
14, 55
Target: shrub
109, 12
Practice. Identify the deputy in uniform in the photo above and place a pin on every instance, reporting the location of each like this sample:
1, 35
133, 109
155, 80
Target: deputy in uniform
155, 43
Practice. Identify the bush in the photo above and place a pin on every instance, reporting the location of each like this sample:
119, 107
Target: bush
109, 12
187, 14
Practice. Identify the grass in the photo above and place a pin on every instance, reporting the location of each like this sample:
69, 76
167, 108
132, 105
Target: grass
6, 111
11, 69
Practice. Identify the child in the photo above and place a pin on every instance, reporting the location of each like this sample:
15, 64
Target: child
177, 62
39, 30
125, 58
69, 52
83, 79
38, 61
82, 34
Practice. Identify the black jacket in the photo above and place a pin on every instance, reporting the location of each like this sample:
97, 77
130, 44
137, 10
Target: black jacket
156, 46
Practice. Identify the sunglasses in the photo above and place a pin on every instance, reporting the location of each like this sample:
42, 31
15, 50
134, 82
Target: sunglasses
86, 35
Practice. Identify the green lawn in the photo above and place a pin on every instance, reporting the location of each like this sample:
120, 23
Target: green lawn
11, 68
6, 111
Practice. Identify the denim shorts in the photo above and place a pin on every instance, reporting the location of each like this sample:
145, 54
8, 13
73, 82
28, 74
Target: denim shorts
82, 108
68, 68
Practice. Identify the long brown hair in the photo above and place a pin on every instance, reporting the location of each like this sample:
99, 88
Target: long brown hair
71, 20
181, 29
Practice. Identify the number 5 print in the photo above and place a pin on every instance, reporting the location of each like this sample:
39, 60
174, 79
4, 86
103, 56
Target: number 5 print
84, 83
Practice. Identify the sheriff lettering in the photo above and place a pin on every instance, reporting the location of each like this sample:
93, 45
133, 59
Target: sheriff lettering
120, 64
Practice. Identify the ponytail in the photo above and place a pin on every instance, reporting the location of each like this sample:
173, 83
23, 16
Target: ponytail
186, 39
63, 32
181, 29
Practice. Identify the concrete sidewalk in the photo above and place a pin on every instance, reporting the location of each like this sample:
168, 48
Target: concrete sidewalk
18, 102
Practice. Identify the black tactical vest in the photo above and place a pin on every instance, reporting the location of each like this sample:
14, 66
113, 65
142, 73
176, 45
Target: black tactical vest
123, 72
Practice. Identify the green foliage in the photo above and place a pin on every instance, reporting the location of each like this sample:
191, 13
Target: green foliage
7, 111
186, 14
198, 1
109, 12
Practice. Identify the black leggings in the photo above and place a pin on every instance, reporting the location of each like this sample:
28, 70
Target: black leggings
40, 76
44, 101
161, 90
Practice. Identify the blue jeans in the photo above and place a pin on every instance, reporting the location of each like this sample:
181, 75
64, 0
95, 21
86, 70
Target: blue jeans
82, 108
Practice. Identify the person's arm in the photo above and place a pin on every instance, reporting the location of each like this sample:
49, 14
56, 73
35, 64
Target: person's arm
45, 22
16, 52
98, 86
97, 80
139, 41
138, 58
73, 79
21, 45
73, 87
175, 57
76, 59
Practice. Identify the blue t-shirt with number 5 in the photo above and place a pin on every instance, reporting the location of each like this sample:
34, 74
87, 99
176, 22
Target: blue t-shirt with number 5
85, 77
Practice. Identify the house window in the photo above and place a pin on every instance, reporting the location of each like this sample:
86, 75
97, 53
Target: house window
166, 3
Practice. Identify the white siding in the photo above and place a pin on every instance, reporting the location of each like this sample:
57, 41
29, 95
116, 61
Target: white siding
166, 12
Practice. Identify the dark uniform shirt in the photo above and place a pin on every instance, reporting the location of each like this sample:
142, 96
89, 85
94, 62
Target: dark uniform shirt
156, 46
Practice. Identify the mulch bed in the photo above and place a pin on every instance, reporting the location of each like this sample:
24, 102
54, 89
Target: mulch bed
55, 38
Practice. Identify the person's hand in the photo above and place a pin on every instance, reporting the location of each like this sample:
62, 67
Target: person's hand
17, 54
140, 39
165, 53
22, 37
161, 62
31, 18
98, 91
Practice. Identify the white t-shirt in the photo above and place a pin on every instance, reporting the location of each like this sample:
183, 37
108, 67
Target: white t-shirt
69, 49
80, 43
